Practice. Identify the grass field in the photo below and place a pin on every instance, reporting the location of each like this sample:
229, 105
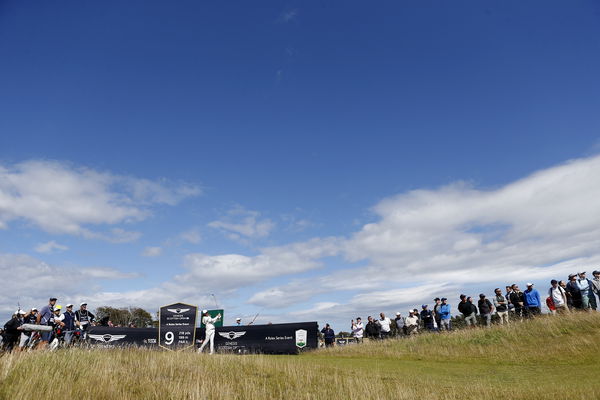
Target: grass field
551, 357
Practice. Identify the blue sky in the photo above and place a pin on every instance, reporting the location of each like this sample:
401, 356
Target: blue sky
154, 152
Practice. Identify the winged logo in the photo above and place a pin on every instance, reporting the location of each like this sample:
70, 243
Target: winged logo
107, 337
232, 335
178, 310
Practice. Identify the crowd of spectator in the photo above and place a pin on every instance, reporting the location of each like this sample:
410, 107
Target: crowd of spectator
578, 293
38, 328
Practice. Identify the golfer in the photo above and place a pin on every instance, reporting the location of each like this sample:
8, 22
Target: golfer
209, 324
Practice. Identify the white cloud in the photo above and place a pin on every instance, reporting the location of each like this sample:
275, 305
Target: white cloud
288, 15
152, 251
242, 223
50, 247
60, 198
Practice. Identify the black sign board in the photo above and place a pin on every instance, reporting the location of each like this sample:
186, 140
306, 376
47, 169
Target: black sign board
269, 339
177, 326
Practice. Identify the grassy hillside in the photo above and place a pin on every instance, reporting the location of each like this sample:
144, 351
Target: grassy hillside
546, 358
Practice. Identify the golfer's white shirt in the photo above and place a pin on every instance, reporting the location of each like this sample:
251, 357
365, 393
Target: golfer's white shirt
209, 322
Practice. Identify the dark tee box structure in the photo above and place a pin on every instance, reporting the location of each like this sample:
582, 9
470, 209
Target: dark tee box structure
290, 338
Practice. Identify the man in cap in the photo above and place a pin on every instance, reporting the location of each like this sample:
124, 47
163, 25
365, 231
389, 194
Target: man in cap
586, 289
427, 318
596, 284
532, 300
238, 321
412, 323
485, 310
29, 318
12, 330
400, 324
573, 292
84, 318
501, 304
357, 330
209, 325
70, 323
445, 315
436, 312
44, 317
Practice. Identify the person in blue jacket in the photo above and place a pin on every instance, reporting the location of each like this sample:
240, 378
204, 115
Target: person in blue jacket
445, 315
328, 335
532, 300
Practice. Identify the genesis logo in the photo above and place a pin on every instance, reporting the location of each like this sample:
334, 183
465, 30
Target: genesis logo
232, 335
178, 310
107, 337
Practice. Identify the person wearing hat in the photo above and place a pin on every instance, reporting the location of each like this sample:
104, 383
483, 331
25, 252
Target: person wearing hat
29, 318
445, 315
532, 300
12, 330
328, 335
573, 291
43, 318
83, 318
436, 312
70, 323
357, 330
485, 310
427, 318
587, 295
400, 324
412, 323
238, 321
501, 304
209, 335
596, 284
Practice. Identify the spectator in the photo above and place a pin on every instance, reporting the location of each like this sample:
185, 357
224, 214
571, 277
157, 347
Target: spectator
357, 330
69, 321
238, 321
445, 315
587, 295
558, 296
501, 304
12, 330
563, 285
427, 318
28, 318
511, 307
485, 309
412, 323
517, 298
84, 318
372, 328
468, 310
436, 312
328, 335
596, 284
43, 318
573, 290
532, 300
400, 324
384, 323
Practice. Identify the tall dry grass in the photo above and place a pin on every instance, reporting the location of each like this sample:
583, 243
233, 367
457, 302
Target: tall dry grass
529, 360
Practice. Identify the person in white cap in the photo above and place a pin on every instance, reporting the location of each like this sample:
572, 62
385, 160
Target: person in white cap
238, 321
84, 318
209, 336
532, 300
400, 324
12, 330
412, 323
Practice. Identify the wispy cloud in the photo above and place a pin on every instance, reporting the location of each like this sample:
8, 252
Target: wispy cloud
240, 223
62, 198
152, 251
50, 247
288, 15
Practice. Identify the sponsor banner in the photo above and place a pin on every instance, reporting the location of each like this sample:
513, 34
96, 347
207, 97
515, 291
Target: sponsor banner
213, 314
104, 336
271, 339
177, 326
